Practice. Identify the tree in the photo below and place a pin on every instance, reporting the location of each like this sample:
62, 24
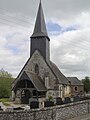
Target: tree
5, 87
5, 74
86, 83
4, 92
5, 83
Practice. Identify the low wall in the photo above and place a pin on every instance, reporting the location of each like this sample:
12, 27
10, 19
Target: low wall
62, 112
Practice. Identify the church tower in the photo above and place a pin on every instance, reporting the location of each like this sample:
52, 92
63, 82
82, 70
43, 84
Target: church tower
39, 39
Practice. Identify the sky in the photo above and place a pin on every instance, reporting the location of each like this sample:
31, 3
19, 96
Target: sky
68, 26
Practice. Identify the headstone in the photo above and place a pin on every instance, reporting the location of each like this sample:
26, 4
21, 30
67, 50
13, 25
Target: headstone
67, 100
76, 98
59, 101
34, 104
48, 103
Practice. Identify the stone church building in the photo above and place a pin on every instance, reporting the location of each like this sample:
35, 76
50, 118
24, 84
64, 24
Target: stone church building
40, 78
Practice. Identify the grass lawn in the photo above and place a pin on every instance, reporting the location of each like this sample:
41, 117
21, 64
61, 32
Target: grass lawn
5, 101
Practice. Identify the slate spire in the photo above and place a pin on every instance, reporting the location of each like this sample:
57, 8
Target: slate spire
40, 27
39, 39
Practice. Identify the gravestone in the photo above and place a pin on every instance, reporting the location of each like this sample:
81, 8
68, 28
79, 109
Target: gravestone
48, 103
67, 100
76, 99
59, 101
34, 104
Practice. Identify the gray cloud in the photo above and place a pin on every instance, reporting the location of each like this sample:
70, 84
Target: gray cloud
69, 50
59, 9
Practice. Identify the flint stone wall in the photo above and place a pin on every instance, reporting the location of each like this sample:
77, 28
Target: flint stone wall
62, 112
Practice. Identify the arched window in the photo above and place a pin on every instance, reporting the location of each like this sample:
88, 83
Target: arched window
76, 88
36, 69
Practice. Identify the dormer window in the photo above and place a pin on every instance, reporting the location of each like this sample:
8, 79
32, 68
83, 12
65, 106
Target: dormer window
36, 69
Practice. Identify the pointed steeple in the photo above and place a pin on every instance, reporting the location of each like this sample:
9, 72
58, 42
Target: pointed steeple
39, 39
40, 27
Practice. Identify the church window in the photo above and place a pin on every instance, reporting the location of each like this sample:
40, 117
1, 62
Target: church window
75, 88
69, 82
36, 69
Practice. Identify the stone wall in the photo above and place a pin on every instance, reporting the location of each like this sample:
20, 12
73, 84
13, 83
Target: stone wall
79, 89
62, 112
43, 68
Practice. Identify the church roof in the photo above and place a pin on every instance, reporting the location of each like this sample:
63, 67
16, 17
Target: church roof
61, 78
34, 78
74, 81
37, 81
40, 27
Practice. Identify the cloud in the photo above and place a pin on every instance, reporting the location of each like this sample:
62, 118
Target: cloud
68, 23
72, 49
14, 49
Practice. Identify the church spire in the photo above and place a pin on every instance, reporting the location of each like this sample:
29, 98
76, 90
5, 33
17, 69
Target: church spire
39, 39
40, 27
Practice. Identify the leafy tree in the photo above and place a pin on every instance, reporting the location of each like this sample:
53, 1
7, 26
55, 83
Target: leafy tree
4, 92
5, 74
5, 84
86, 83
5, 87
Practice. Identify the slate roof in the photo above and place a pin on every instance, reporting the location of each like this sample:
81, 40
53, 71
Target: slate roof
34, 78
40, 27
37, 81
74, 81
61, 78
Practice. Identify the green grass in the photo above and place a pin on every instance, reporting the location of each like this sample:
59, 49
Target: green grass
5, 101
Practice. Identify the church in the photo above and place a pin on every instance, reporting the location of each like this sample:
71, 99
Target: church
40, 78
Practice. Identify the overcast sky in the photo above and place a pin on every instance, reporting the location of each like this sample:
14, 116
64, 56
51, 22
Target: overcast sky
68, 25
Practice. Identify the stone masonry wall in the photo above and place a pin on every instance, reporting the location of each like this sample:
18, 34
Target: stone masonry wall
62, 112
43, 67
